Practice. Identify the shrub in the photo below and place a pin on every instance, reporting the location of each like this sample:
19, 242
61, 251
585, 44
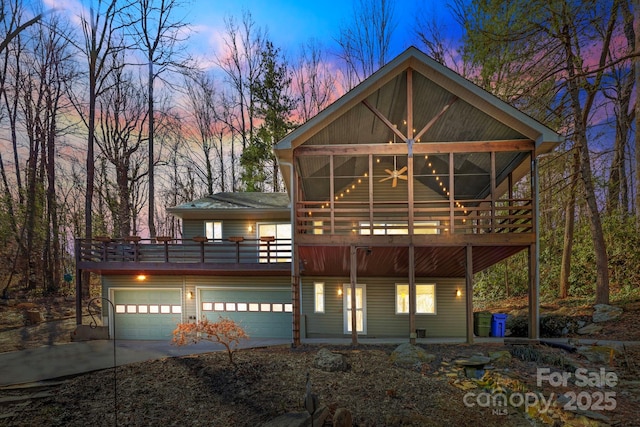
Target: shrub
225, 331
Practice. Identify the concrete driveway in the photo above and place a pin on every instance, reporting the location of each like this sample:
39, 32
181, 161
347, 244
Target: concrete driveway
55, 361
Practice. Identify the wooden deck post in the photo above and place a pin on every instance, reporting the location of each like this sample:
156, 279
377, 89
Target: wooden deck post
469, 291
354, 278
295, 295
78, 247
534, 272
412, 294
165, 240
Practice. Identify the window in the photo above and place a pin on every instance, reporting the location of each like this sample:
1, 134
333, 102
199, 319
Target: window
317, 227
213, 230
318, 291
280, 250
425, 299
397, 227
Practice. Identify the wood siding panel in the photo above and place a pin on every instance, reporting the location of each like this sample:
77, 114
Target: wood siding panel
382, 321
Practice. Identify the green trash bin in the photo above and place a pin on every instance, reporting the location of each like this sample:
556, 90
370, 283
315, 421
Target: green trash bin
482, 323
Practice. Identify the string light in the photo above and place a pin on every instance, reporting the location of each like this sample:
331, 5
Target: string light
429, 164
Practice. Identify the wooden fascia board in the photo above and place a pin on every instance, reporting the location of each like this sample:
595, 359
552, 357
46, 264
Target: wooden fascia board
241, 213
419, 148
442, 240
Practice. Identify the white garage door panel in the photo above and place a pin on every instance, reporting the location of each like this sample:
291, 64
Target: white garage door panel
147, 314
261, 313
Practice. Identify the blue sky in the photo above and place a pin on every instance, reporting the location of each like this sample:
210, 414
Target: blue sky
291, 23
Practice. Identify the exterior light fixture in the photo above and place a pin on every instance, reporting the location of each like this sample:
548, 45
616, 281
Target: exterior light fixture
339, 292
190, 295
250, 228
141, 277
458, 293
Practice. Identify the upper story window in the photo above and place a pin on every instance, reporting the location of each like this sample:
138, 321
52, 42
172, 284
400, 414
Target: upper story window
213, 230
280, 250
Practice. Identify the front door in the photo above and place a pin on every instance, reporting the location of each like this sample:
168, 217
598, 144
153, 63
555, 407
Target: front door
361, 308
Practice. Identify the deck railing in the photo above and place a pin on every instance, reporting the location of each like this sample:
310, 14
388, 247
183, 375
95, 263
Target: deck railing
234, 250
429, 217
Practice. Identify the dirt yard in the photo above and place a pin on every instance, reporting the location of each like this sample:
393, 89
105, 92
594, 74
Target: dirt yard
206, 390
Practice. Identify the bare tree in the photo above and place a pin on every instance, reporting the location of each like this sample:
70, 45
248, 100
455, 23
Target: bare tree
312, 81
636, 68
100, 28
201, 107
620, 94
160, 35
366, 40
10, 13
42, 72
122, 118
240, 63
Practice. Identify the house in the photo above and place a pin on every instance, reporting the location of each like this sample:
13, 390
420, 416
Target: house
396, 195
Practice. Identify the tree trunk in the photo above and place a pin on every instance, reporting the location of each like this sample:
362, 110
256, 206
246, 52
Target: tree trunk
569, 221
636, 68
124, 207
152, 225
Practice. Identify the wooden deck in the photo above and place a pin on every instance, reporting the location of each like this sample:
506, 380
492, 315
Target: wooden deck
183, 256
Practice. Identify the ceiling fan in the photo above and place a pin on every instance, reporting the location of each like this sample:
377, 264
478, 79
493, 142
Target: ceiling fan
395, 174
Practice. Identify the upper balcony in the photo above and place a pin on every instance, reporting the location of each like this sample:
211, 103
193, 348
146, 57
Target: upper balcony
453, 198
424, 218
198, 255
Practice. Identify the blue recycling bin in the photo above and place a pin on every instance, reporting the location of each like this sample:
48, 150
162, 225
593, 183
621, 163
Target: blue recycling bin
498, 324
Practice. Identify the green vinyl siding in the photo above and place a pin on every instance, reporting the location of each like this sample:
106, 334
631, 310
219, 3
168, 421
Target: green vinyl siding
329, 323
382, 320
230, 227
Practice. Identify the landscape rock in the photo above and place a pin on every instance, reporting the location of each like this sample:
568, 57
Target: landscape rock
342, 418
330, 362
605, 312
408, 355
502, 356
474, 365
598, 353
299, 419
591, 328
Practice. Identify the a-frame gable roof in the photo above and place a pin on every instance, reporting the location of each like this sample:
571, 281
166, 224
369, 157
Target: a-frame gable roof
465, 111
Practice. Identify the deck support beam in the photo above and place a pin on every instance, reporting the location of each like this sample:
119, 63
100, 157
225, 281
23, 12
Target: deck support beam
534, 256
469, 291
412, 294
354, 278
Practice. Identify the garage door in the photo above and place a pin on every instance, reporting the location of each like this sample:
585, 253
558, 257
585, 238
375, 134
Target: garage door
263, 313
147, 314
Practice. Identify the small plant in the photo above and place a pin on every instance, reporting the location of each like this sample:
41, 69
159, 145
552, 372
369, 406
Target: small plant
225, 331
